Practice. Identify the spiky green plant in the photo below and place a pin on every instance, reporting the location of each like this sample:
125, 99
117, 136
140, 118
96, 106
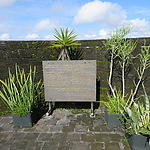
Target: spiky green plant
20, 91
138, 116
64, 39
116, 105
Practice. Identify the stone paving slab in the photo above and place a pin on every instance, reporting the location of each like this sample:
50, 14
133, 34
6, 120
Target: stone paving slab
63, 130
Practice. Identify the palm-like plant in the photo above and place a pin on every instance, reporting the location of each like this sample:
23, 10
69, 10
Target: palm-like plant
65, 39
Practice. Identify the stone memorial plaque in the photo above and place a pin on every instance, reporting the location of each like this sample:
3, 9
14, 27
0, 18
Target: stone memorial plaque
70, 80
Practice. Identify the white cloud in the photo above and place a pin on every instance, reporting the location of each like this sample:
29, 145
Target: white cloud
90, 36
103, 33
46, 24
48, 37
97, 11
5, 3
32, 36
141, 28
5, 36
139, 24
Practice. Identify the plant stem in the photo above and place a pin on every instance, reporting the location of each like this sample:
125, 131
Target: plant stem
138, 84
110, 75
64, 55
123, 79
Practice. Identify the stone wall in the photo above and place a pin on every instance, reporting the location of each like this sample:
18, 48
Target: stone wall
26, 53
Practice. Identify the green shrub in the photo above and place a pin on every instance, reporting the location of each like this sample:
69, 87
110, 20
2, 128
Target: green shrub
138, 116
21, 92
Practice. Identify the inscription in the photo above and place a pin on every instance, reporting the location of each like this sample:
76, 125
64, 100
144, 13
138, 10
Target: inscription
70, 80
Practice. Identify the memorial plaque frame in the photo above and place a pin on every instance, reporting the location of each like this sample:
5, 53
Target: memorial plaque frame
70, 81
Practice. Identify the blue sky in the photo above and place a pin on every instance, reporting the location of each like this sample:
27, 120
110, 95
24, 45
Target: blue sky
90, 19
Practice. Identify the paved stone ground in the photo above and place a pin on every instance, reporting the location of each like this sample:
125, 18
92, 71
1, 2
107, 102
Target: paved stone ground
63, 130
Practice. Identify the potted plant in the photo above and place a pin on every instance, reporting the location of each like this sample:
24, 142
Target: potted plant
114, 109
120, 50
22, 94
138, 123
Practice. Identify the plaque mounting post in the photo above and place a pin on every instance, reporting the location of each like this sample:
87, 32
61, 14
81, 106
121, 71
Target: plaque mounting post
92, 110
50, 108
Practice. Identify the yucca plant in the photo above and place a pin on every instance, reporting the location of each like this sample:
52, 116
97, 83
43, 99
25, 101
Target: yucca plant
64, 39
20, 91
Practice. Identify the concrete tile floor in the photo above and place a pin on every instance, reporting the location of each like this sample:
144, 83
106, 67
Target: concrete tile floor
63, 130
